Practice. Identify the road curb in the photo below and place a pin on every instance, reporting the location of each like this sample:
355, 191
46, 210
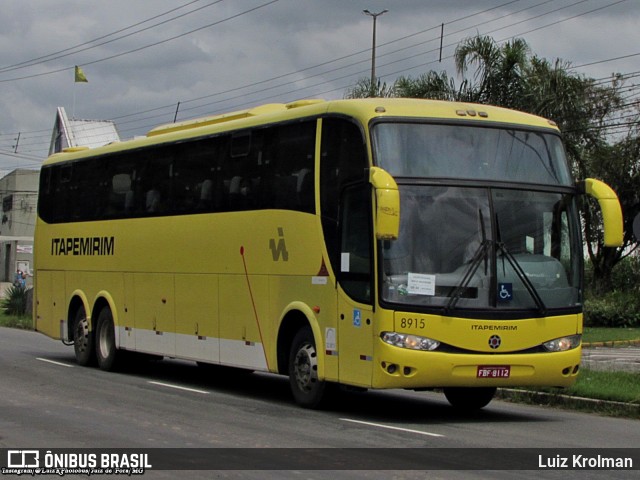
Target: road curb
606, 407
559, 400
612, 343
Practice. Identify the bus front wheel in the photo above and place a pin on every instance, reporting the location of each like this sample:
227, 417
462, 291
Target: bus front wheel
82, 339
106, 351
469, 398
307, 390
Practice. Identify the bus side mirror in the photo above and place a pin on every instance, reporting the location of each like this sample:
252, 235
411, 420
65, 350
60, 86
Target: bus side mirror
387, 221
611, 210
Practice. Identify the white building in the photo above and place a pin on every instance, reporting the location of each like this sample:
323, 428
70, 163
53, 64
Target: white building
19, 192
81, 133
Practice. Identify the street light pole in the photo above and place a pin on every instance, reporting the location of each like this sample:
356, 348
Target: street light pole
373, 49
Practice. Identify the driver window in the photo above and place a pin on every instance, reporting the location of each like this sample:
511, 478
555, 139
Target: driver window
355, 251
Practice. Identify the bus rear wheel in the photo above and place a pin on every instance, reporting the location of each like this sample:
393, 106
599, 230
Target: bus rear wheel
307, 390
469, 399
83, 339
106, 351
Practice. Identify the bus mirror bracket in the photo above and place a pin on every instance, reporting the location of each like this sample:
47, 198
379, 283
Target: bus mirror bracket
611, 210
387, 219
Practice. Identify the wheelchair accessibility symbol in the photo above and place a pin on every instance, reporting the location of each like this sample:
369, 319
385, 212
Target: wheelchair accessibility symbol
505, 292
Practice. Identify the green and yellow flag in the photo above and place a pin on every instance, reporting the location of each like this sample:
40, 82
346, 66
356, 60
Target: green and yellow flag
80, 76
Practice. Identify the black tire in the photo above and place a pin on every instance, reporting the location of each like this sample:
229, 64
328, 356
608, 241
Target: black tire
469, 399
307, 390
106, 351
83, 344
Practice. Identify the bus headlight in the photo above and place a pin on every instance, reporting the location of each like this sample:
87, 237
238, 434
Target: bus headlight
412, 342
563, 344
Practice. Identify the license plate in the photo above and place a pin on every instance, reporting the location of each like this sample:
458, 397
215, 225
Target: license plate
493, 371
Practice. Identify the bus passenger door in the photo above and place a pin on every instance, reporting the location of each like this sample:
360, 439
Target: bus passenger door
355, 312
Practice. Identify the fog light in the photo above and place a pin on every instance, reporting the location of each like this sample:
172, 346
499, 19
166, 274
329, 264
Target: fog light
563, 344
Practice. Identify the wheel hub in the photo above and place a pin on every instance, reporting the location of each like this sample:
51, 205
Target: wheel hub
104, 340
306, 367
81, 339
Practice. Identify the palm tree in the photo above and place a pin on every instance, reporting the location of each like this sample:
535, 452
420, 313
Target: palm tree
499, 70
508, 75
363, 89
434, 85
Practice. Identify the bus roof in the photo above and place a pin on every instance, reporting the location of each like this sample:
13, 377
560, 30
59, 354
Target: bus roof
364, 110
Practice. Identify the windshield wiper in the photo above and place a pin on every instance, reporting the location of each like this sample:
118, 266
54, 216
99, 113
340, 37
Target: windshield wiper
542, 308
523, 277
479, 255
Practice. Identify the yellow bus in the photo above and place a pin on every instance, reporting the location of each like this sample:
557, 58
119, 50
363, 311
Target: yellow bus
372, 243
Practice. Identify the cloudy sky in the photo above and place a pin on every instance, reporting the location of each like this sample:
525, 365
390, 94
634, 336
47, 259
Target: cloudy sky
144, 58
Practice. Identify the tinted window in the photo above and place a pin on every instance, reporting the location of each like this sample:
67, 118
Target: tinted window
458, 151
269, 167
343, 185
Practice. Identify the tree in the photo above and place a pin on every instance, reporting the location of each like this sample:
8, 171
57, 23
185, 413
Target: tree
583, 109
510, 76
618, 165
363, 89
499, 70
432, 85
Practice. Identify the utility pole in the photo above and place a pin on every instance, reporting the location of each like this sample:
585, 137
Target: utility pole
373, 49
15, 147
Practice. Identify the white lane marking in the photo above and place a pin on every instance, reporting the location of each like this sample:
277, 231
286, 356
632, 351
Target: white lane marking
178, 387
54, 362
390, 427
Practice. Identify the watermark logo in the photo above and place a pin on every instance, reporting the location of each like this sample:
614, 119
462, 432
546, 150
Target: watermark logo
70, 462
23, 458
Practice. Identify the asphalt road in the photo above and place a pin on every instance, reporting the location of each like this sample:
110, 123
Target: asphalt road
623, 358
48, 401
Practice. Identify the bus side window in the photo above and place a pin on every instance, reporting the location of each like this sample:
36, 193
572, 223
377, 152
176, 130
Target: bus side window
155, 183
242, 178
355, 250
121, 196
45, 205
291, 154
215, 153
240, 144
343, 163
193, 177
64, 205
205, 195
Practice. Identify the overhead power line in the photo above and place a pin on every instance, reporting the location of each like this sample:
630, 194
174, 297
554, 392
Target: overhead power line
162, 111
144, 47
607, 60
92, 43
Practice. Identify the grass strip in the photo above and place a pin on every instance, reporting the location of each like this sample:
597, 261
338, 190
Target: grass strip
607, 335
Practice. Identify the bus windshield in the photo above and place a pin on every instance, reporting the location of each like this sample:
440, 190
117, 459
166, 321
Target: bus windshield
480, 248
456, 151
496, 246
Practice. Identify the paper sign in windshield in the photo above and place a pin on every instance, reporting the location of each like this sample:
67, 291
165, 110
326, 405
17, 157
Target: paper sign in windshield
421, 284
